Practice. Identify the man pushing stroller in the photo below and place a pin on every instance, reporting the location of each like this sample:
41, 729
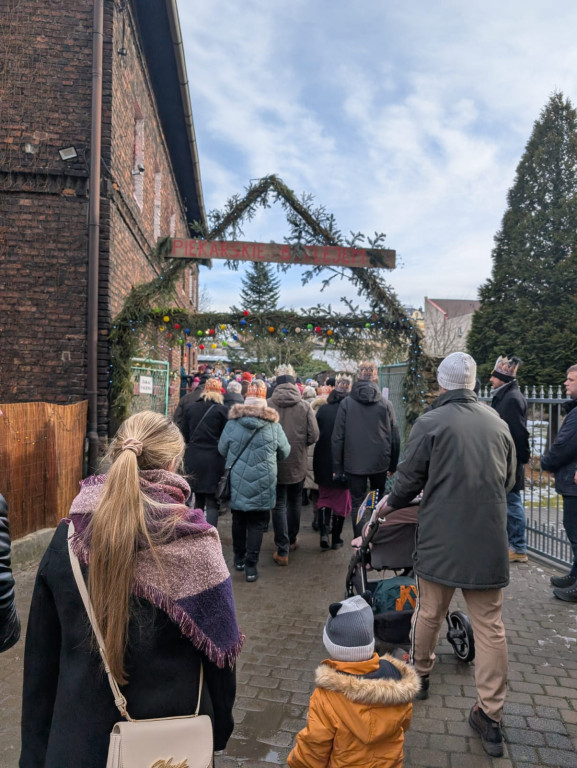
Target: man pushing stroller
461, 455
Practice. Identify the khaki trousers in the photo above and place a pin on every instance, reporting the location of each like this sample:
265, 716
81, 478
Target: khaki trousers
484, 608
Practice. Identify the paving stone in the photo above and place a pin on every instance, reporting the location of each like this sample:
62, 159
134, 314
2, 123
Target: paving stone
524, 736
558, 758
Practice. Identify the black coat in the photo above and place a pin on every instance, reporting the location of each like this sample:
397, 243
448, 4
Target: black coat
561, 458
512, 408
366, 438
233, 398
9, 622
68, 709
203, 463
323, 465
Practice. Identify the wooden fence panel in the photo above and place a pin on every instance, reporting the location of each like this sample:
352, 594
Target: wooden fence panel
41, 457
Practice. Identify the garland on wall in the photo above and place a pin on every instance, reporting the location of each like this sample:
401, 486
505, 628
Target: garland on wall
148, 308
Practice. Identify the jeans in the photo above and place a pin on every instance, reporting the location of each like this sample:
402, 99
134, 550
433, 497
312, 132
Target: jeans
358, 489
286, 516
516, 523
247, 532
207, 502
570, 524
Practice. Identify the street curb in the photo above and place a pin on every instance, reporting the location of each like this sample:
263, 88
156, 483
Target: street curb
29, 549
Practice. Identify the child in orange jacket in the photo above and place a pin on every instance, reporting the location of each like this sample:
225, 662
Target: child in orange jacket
362, 704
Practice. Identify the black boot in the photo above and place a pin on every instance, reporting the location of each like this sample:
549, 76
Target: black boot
324, 526
338, 523
315, 522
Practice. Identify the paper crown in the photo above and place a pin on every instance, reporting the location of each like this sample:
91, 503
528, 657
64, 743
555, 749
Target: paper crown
506, 366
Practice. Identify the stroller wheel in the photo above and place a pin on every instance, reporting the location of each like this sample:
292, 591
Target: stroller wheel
460, 635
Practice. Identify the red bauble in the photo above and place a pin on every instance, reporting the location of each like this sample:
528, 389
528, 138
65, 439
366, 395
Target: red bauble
211, 332
246, 312
318, 329
201, 346
176, 325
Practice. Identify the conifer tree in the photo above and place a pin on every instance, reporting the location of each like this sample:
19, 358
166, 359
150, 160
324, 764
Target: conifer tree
529, 304
260, 288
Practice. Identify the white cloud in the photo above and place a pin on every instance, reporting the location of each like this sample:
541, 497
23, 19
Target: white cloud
408, 119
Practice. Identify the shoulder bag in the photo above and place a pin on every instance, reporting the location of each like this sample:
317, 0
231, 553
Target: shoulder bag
204, 415
223, 488
169, 742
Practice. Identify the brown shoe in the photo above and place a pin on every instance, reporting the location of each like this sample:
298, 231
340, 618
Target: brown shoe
280, 559
294, 545
517, 557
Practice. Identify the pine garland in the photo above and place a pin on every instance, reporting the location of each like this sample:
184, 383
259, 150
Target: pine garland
358, 332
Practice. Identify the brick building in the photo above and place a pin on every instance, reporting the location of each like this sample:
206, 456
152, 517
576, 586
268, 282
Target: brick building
149, 182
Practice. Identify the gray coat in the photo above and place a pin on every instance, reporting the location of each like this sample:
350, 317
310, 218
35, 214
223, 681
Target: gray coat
253, 477
462, 456
300, 426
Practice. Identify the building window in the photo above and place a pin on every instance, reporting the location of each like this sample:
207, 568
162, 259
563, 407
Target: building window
138, 158
157, 203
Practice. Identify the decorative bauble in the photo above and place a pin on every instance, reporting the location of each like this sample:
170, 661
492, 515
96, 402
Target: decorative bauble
329, 332
156, 311
284, 330
166, 319
318, 329
246, 313
201, 346
177, 326
187, 331
331, 341
235, 337
310, 326
367, 325
213, 346
181, 342
188, 344
243, 322
297, 330
222, 327
211, 332
199, 333
161, 327
224, 343
271, 329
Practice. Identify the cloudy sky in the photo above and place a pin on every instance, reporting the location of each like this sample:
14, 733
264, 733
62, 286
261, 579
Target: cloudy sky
404, 118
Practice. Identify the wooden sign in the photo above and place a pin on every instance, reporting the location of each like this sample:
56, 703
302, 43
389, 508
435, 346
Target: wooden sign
324, 255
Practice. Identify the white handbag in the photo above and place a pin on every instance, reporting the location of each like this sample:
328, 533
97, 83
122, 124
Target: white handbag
169, 742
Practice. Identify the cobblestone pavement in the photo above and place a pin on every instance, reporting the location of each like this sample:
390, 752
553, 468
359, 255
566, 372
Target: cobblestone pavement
282, 616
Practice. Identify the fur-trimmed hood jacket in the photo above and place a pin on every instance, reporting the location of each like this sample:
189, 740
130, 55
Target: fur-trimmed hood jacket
253, 477
358, 715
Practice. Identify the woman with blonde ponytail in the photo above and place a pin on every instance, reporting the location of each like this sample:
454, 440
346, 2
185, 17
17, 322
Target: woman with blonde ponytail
162, 597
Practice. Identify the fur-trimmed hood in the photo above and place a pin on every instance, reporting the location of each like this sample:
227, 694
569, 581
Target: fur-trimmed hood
239, 411
318, 401
369, 683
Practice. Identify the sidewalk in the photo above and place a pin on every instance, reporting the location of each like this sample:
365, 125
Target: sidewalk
283, 615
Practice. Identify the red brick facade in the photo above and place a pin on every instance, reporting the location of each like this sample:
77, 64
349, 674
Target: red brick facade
46, 106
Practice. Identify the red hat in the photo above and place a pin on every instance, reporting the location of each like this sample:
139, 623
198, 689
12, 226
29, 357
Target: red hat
246, 376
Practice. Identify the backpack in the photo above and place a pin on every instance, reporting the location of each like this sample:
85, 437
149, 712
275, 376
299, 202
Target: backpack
396, 594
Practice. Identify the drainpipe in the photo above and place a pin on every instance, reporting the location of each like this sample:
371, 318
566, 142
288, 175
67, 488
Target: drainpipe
94, 235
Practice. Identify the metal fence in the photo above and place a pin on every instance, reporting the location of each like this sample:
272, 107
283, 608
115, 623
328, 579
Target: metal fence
544, 508
150, 381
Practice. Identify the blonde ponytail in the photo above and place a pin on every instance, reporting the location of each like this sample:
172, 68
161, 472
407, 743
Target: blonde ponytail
145, 441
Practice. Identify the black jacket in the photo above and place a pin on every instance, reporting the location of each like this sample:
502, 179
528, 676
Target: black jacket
203, 463
323, 465
365, 436
561, 458
512, 408
232, 398
9, 622
67, 707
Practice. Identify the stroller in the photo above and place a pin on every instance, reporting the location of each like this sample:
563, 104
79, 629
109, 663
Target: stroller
388, 544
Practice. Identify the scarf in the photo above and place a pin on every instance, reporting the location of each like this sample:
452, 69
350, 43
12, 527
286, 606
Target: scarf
195, 587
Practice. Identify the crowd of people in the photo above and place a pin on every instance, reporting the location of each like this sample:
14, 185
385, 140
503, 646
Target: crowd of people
145, 536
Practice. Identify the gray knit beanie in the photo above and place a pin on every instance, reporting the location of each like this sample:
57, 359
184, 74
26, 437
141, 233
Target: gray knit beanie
457, 371
349, 631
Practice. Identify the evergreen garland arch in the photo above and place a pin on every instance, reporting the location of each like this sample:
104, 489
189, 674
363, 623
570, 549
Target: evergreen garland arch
385, 321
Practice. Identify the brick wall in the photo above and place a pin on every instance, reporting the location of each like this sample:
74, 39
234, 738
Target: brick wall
46, 105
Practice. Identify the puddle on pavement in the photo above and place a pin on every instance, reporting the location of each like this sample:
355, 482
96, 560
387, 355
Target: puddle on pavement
265, 724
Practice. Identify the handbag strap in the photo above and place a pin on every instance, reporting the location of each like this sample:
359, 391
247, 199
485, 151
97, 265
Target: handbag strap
119, 699
204, 415
243, 449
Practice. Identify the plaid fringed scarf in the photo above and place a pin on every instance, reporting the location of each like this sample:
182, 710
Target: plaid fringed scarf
195, 587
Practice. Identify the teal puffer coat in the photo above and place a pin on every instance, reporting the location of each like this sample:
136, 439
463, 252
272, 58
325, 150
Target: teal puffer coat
253, 477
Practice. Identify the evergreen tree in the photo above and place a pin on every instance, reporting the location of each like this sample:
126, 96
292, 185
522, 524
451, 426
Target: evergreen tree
529, 304
260, 288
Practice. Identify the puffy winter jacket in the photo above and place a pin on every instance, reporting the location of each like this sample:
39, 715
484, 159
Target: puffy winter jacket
561, 458
358, 715
365, 437
9, 622
253, 477
300, 426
